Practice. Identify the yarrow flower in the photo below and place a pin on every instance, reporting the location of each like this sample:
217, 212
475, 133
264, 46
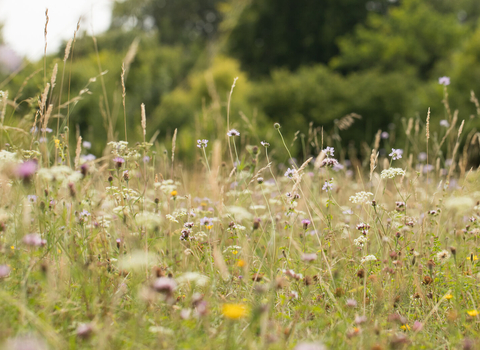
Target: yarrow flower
444, 123
233, 132
368, 258
444, 81
360, 241
396, 153
329, 151
202, 143
391, 173
361, 197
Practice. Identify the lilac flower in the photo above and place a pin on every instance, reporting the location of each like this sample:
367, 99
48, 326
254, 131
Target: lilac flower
444, 81
87, 144
118, 161
32, 198
202, 143
290, 173
444, 123
396, 153
327, 186
34, 240
384, 135
4, 271
27, 169
233, 132
265, 144
329, 151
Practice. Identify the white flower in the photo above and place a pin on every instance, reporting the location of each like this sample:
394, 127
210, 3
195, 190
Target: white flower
368, 258
360, 241
171, 218
361, 198
391, 173
193, 277
443, 255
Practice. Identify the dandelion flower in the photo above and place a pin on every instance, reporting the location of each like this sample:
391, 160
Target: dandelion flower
234, 311
473, 313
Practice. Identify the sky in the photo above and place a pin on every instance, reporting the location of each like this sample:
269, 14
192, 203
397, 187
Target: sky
24, 23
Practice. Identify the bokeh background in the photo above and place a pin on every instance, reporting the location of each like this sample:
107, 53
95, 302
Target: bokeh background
306, 64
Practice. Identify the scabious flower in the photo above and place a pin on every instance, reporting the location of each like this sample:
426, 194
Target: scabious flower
265, 144
87, 144
329, 162
233, 132
444, 81
329, 151
396, 153
4, 271
32, 198
165, 285
384, 135
361, 197
202, 143
391, 173
444, 123
206, 221
290, 173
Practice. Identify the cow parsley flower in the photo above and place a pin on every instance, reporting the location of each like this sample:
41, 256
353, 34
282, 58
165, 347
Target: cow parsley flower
391, 173
361, 197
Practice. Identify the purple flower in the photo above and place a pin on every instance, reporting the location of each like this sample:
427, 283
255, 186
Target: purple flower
27, 169
444, 123
396, 153
46, 130
88, 157
422, 156
329, 162
34, 240
233, 132
444, 81
84, 330
309, 257
146, 159
351, 303
84, 213
165, 285
206, 221
305, 223
384, 135
417, 326
309, 346
4, 271
329, 151
87, 144
32, 198
202, 143
118, 161
327, 186
337, 167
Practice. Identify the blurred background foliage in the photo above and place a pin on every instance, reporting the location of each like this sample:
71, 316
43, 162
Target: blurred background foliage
305, 64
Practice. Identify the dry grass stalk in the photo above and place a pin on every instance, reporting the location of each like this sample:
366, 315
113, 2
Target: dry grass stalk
474, 99
53, 79
123, 100
454, 121
409, 127
377, 139
373, 161
174, 139
347, 121
455, 149
144, 124
78, 151
428, 125
67, 50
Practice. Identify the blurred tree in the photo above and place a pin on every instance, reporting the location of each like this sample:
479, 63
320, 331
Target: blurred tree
412, 37
288, 33
178, 21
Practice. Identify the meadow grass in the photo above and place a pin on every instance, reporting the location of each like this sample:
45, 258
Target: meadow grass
135, 250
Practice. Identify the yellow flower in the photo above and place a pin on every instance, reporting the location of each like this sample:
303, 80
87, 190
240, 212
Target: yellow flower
405, 327
12, 247
448, 296
474, 258
473, 313
234, 252
234, 311
57, 143
209, 227
173, 193
241, 263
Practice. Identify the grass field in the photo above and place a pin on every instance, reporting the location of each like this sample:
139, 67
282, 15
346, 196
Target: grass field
137, 250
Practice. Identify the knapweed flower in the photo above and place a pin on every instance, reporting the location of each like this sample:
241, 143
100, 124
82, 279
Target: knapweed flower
305, 223
26, 169
265, 144
202, 143
4, 271
368, 258
309, 346
444, 81
444, 123
84, 330
396, 153
351, 303
34, 240
165, 285
234, 311
361, 198
329, 151
233, 132
309, 257
118, 162
391, 173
